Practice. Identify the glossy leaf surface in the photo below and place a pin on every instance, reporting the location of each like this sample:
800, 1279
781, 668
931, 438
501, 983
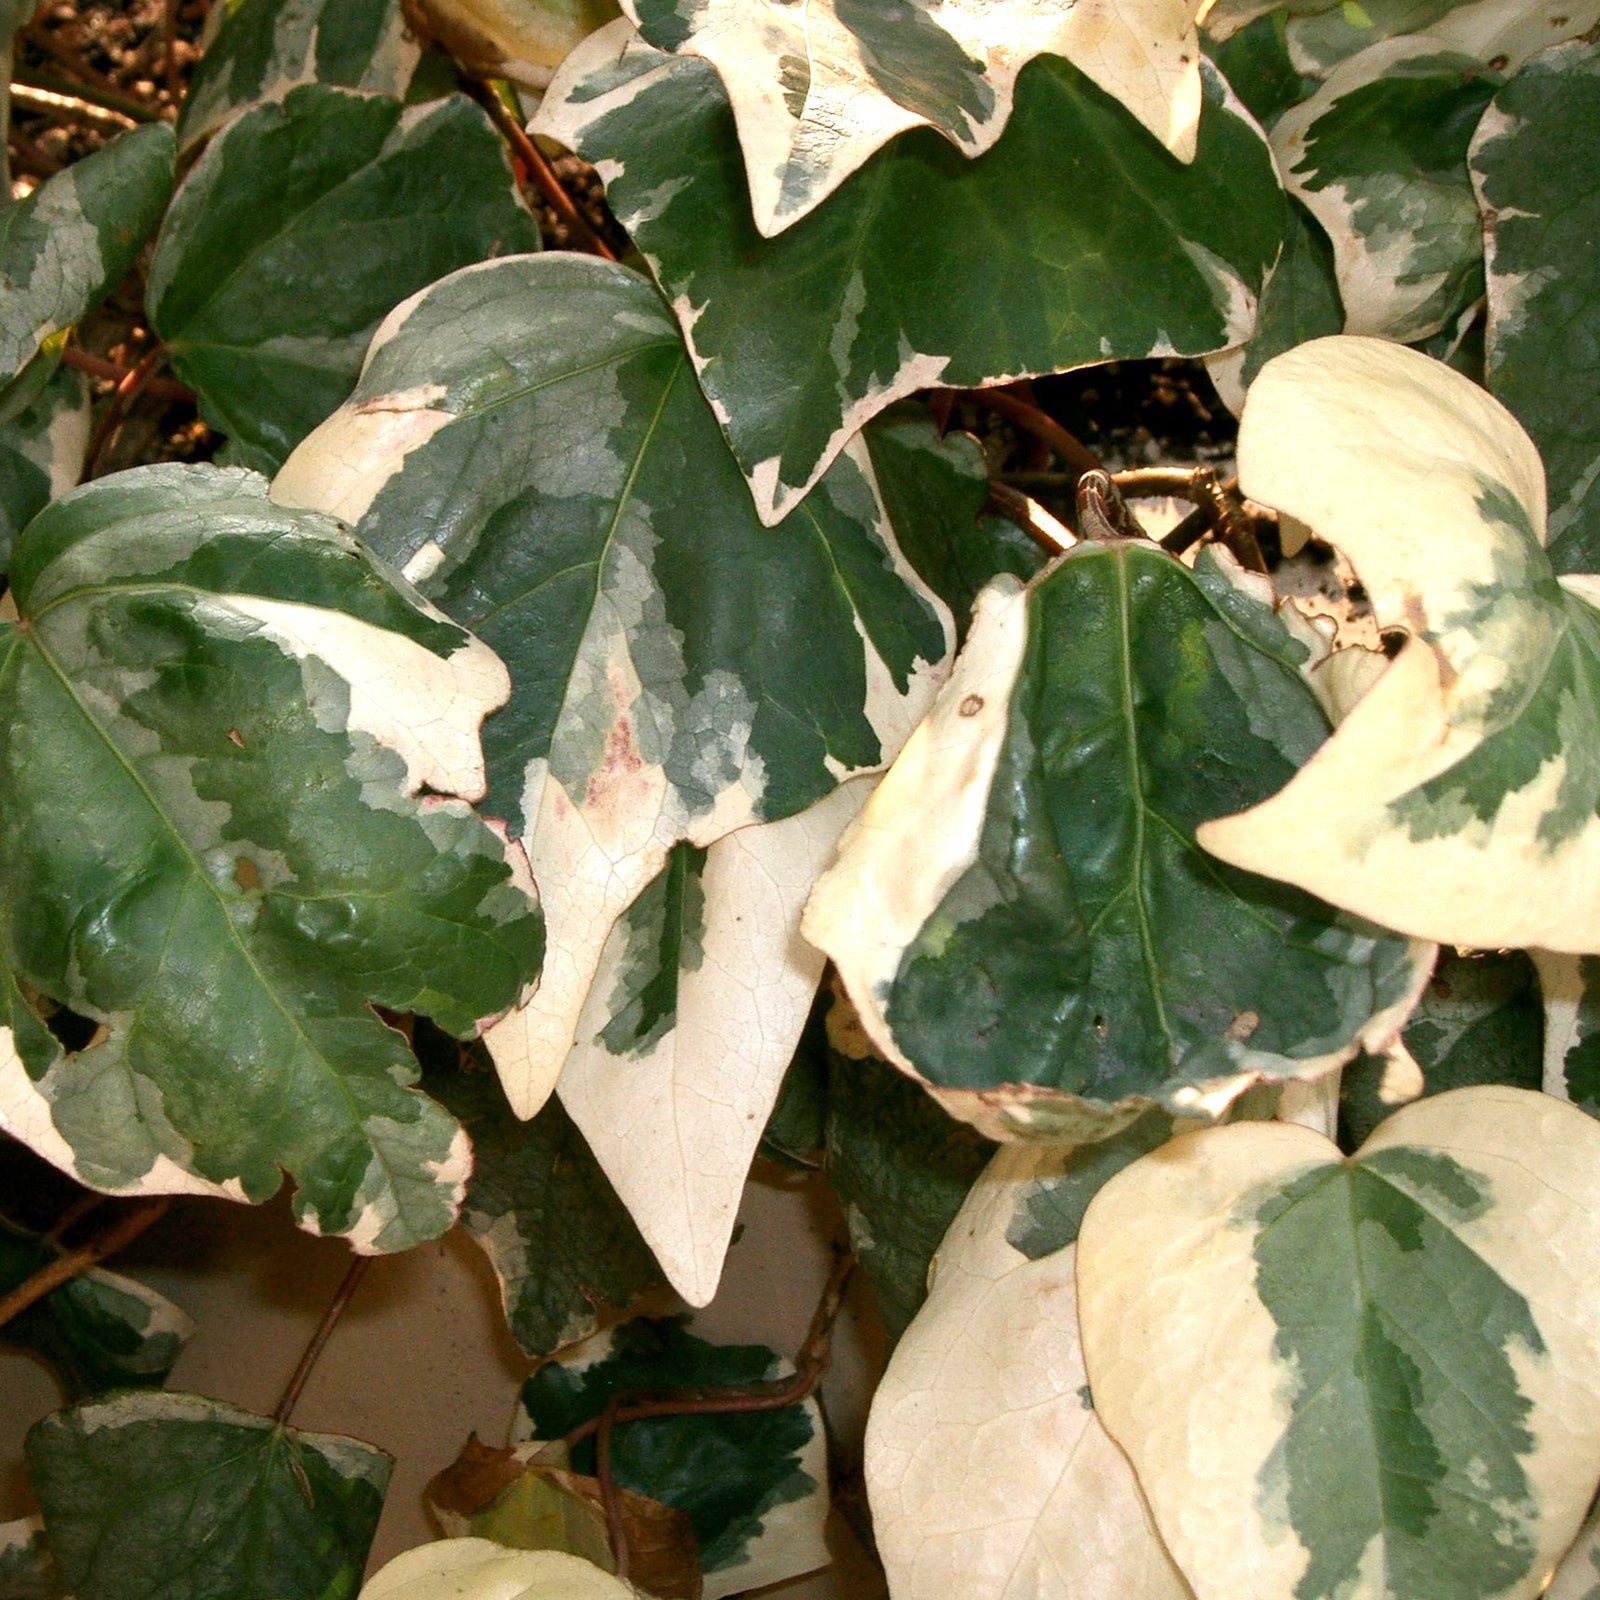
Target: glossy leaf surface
528, 441
1377, 1374
1458, 800
237, 710
299, 228
140, 1488
1112, 248
817, 89
1022, 915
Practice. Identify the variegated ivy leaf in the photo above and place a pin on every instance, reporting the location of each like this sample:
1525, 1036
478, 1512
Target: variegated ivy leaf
700, 997
523, 40
265, 48
566, 1252
1224, 18
71, 240
1111, 245
299, 228
26, 1570
1379, 156
142, 1493
1478, 1021
1377, 1376
1571, 1065
754, 1483
41, 453
1542, 211
528, 441
1501, 33
215, 720
988, 1471
480, 1569
816, 89
98, 1331
1578, 1576
1022, 915
1458, 800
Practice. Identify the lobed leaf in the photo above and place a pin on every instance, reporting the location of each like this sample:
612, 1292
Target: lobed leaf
299, 228
1378, 155
1457, 801
144, 1490
1022, 915
988, 1470
1375, 1374
215, 720
528, 441
1541, 204
263, 49
71, 241
816, 90
753, 1483
1111, 248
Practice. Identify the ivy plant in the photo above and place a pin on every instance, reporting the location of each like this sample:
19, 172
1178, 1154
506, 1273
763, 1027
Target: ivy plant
583, 715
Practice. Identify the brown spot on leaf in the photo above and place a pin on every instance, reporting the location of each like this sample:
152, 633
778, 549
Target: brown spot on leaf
246, 875
972, 705
236, 738
1243, 1026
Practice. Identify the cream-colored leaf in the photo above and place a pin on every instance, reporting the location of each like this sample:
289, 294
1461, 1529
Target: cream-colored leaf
675, 1119
1578, 1576
523, 40
1457, 801
478, 1569
1442, 1335
988, 1470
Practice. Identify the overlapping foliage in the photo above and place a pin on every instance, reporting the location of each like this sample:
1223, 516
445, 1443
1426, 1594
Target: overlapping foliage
612, 644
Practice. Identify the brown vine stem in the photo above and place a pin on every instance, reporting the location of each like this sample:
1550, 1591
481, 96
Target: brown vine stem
1045, 531
342, 1297
75, 1213
532, 158
1074, 453
639, 1404
169, 48
90, 97
128, 389
75, 1263
99, 367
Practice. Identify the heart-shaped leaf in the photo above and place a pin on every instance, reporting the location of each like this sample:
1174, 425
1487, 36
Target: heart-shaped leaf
1541, 199
678, 670
246, 1509
300, 226
215, 716
1112, 246
1022, 915
988, 1470
75, 237
817, 89
1379, 156
263, 48
1376, 1376
1457, 801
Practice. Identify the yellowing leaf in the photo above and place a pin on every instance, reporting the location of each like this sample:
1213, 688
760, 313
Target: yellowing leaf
524, 40
1457, 801
477, 1569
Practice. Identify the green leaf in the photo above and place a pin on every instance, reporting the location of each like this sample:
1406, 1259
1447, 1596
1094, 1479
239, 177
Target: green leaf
528, 442
988, 1471
75, 237
817, 89
98, 1331
899, 1164
1301, 301
1022, 915
26, 1570
215, 719
796, 1125
1571, 989
1255, 60
753, 1483
1379, 156
173, 1494
1377, 1372
479, 1569
265, 48
698, 1002
41, 453
935, 491
1109, 247
1478, 1021
299, 228
1458, 800
563, 1246
1541, 201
